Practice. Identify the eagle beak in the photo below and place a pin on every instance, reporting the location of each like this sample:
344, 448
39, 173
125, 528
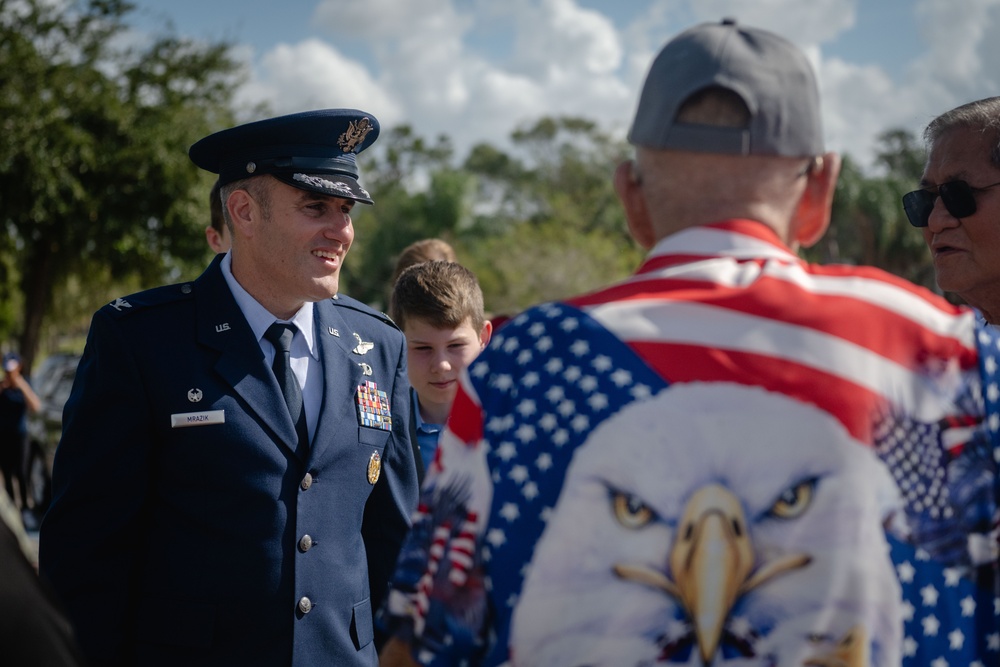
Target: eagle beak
711, 561
853, 650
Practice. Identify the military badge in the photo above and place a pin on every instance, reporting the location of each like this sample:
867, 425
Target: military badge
356, 132
322, 183
373, 407
374, 467
363, 346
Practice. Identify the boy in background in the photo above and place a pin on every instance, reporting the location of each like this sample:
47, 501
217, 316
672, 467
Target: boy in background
439, 307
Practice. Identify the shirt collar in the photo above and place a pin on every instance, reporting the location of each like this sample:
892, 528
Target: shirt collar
738, 239
418, 422
260, 318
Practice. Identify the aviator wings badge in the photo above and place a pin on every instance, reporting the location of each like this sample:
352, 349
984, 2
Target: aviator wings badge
363, 347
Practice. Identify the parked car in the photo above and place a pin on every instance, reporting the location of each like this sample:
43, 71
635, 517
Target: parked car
52, 381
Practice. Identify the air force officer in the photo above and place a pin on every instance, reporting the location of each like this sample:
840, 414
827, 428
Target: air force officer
235, 475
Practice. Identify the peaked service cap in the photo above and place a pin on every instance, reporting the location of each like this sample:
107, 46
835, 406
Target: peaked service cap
770, 74
312, 150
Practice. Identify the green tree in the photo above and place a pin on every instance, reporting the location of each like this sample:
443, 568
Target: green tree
537, 223
94, 175
549, 224
868, 225
417, 195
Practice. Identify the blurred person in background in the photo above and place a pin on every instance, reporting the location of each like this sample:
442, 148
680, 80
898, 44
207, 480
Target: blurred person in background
34, 632
17, 399
424, 250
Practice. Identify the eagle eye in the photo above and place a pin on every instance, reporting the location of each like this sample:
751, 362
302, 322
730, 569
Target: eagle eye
794, 501
630, 511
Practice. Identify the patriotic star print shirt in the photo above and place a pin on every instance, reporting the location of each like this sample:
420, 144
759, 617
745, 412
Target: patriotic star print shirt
731, 458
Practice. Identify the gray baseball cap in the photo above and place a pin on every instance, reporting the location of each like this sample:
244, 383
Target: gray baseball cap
770, 74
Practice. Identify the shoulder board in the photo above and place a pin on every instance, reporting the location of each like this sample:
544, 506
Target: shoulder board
148, 298
344, 301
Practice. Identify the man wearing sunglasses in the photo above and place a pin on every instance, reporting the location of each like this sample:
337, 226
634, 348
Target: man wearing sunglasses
958, 204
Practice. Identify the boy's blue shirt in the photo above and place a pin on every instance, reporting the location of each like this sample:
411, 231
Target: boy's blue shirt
427, 433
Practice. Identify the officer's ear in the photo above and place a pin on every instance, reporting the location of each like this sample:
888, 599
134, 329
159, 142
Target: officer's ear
628, 186
243, 212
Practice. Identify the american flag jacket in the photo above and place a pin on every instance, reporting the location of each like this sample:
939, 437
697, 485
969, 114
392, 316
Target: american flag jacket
731, 458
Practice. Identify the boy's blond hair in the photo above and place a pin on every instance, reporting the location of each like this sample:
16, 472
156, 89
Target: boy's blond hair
444, 294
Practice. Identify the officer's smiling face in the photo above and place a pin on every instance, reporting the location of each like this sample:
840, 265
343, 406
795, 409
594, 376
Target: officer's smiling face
293, 248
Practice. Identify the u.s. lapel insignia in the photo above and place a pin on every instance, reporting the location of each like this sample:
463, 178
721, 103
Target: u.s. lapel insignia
334, 332
365, 369
195, 395
373, 406
374, 468
363, 346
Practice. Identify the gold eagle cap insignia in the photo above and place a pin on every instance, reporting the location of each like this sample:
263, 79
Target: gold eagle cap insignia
356, 132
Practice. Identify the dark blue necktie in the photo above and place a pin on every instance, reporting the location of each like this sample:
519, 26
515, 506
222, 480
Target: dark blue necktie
281, 335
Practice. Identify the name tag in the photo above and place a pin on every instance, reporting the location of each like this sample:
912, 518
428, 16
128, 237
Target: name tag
197, 418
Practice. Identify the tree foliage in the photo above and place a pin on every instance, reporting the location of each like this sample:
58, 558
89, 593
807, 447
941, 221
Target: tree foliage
94, 175
100, 198
868, 225
417, 195
549, 223
537, 223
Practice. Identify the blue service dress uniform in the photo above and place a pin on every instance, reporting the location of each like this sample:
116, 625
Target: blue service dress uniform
214, 543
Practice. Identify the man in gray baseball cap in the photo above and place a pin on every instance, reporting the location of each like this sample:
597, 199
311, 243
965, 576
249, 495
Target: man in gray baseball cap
700, 464
729, 124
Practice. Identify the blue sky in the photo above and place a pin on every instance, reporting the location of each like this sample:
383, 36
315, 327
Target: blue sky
477, 69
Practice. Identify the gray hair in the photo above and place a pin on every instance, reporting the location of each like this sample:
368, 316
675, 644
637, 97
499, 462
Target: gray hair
982, 116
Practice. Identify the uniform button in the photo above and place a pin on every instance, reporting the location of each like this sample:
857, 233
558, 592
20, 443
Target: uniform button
305, 605
307, 481
185, 289
305, 544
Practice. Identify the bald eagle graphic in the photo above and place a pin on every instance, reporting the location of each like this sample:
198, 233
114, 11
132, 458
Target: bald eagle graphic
716, 524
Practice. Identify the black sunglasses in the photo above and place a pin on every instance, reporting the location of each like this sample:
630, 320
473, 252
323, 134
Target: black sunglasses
958, 196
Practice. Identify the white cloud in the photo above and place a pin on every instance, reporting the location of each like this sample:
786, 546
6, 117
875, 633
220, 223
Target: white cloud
805, 23
957, 66
476, 69
556, 39
314, 75
962, 56
428, 72
387, 19
859, 103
